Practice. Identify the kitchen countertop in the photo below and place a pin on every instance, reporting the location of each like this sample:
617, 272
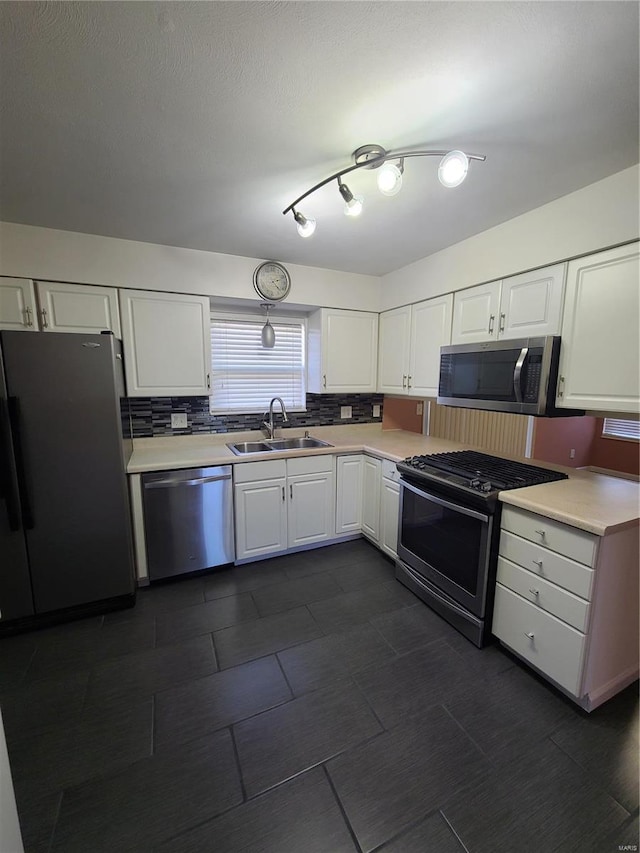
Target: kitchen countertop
597, 503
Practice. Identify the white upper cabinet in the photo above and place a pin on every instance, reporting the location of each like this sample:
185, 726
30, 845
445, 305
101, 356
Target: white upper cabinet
475, 313
17, 304
77, 308
599, 367
410, 341
393, 351
430, 330
531, 303
167, 343
49, 306
342, 352
522, 306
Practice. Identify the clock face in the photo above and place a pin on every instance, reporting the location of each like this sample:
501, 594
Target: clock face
271, 281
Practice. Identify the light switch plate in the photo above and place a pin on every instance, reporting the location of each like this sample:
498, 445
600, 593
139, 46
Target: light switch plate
346, 411
376, 411
178, 420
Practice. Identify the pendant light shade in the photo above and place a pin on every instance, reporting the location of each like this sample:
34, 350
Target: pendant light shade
268, 335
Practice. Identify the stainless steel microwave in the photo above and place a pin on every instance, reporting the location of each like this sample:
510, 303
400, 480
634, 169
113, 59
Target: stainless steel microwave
518, 376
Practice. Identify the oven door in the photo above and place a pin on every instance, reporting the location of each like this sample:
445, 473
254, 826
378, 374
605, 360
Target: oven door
446, 543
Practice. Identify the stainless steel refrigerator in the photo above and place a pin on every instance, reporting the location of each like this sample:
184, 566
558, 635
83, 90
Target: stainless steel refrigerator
65, 525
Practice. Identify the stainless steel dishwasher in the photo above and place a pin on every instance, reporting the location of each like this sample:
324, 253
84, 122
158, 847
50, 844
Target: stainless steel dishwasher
188, 520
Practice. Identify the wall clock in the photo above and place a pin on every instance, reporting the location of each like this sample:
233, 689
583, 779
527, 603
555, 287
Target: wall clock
271, 281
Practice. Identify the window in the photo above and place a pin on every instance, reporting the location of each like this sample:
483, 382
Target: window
618, 428
245, 375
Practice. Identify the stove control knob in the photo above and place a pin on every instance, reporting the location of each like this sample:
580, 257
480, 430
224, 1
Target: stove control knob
475, 484
485, 487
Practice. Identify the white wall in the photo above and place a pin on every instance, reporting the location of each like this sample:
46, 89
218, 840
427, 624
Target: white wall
596, 217
44, 253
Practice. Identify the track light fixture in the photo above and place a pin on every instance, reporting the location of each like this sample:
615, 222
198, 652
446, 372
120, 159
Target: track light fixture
452, 171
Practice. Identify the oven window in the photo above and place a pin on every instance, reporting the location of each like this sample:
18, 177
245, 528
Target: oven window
445, 540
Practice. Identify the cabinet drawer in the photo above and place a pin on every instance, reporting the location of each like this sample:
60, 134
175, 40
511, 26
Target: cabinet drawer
554, 648
543, 594
248, 472
546, 564
390, 471
310, 465
574, 543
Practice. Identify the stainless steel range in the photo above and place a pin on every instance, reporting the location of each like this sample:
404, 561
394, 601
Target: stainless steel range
449, 529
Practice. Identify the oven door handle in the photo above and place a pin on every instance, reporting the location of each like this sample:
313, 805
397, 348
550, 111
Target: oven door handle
454, 507
517, 374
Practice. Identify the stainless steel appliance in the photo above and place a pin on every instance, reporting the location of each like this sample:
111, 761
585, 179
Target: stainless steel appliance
449, 529
518, 376
188, 520
65, 526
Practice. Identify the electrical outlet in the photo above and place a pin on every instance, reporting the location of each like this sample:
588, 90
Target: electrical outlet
572, 453
376, 411
178, 420
419, 408
345, 411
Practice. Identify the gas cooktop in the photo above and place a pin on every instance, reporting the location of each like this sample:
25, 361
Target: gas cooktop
478, 472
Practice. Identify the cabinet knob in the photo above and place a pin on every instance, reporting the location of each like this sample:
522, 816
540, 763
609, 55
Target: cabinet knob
534, 591
530, 635
538, 564
541, 533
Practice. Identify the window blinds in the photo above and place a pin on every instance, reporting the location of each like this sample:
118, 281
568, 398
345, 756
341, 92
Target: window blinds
621, 428
245, 375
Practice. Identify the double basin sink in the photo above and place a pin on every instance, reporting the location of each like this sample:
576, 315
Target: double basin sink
273, 444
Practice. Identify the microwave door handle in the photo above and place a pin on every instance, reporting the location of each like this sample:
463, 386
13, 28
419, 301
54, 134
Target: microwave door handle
517, 374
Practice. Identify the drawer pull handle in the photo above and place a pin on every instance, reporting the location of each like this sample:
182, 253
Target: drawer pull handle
538, 563
534, 591
541, 533
530, 635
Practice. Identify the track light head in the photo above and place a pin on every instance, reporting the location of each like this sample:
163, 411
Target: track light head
453, 169
353, 203
390, 178
306, 226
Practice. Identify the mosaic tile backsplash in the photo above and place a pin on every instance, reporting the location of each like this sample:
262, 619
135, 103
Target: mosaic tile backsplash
152, 415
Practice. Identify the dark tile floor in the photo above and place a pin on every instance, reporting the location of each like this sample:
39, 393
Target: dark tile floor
305, 704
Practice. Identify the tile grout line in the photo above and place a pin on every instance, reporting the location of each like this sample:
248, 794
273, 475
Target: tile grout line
464, 731
450, 825
55, 822
236, 755
345, 817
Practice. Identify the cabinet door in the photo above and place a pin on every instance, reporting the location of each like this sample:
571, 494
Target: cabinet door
17, 304
430, 330
531, 304
261, 518
167, 343
389, 511
371, 498
349, 494
311, 508
393, 350
475, 314
599, 368
78, 308
343, 352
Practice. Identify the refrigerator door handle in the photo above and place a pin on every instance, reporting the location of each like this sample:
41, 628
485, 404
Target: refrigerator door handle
14, 418
8, 482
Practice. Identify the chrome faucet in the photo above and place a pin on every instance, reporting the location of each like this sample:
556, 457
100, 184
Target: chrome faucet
267, 426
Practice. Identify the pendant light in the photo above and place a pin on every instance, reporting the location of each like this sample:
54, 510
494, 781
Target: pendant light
268, 335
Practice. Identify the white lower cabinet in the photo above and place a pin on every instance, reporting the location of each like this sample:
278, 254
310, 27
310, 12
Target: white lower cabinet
282, 504
566, 603
371, 476
349, 493
389, 508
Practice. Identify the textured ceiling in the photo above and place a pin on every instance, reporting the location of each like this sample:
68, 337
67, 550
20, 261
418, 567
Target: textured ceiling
196, 124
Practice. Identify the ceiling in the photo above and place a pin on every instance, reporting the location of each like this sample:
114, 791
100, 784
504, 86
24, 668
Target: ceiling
196, 124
